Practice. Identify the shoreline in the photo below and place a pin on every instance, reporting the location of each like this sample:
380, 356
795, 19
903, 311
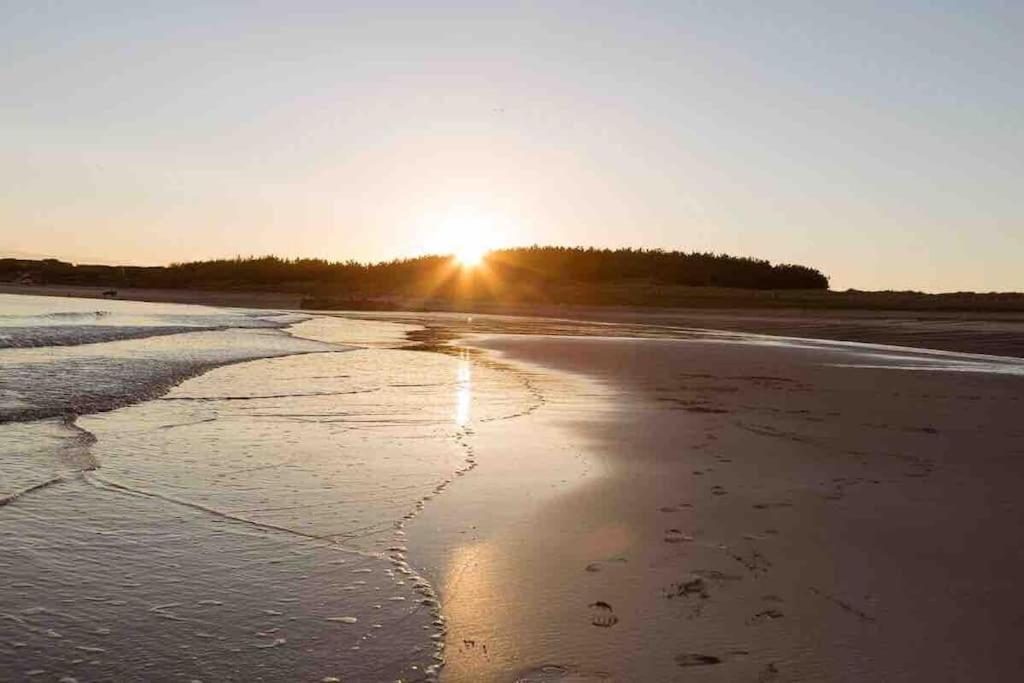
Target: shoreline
985, 332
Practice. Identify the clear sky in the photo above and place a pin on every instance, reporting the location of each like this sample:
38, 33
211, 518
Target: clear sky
879, 141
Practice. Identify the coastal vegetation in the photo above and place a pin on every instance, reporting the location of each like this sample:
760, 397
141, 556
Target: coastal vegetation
540, 266
523, 277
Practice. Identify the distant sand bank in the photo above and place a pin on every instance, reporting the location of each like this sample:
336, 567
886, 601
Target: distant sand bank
742, 511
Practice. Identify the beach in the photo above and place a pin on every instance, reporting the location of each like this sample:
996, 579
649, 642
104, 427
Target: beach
755, 511
263, 495
511, 342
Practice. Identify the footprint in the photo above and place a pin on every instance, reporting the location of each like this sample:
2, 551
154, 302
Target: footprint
715, 575
601, 615
676, 536
754, 561
685, 589
697, 659
551, 673
765, 615
768, 506
599, 566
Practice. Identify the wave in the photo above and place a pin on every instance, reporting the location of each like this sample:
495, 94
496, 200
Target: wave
73, 362
37, 383
74, 335
33, 322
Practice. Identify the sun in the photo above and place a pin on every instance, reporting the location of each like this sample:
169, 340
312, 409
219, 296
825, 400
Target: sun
468, 235
469, 254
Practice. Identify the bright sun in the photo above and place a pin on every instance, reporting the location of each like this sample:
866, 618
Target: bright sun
469, 254
468, 235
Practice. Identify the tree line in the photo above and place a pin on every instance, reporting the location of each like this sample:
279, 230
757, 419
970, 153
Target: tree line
522, 270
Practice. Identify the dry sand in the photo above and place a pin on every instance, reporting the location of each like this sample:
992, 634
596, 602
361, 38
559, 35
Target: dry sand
700, 510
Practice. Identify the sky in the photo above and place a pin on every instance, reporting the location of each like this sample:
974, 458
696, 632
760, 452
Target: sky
881, 142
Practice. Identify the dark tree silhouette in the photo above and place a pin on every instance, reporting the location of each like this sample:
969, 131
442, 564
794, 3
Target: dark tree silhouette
533, 267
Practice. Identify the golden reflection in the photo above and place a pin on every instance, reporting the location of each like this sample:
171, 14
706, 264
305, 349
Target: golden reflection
489, 633
478, 614
463, 391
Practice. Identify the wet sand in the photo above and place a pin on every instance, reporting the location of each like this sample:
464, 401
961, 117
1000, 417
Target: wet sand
759, 511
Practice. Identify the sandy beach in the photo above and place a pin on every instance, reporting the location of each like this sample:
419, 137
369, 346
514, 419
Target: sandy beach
498, 498
698, 510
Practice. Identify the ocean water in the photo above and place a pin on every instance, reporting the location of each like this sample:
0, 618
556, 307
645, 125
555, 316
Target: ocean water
189, 493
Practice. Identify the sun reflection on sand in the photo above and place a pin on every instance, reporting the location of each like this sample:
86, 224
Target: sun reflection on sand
477, 613
463, 391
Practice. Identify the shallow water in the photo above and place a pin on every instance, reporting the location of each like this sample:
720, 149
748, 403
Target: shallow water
337, 446
224, 501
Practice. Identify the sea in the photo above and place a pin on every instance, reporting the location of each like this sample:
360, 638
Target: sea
204, 494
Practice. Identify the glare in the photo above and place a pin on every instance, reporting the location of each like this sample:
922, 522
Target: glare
463, 391
469, 255
468, 235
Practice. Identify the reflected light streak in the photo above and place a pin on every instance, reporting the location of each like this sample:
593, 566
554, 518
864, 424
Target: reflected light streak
463, 391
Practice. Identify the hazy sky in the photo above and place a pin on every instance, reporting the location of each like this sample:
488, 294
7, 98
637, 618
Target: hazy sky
879, 141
